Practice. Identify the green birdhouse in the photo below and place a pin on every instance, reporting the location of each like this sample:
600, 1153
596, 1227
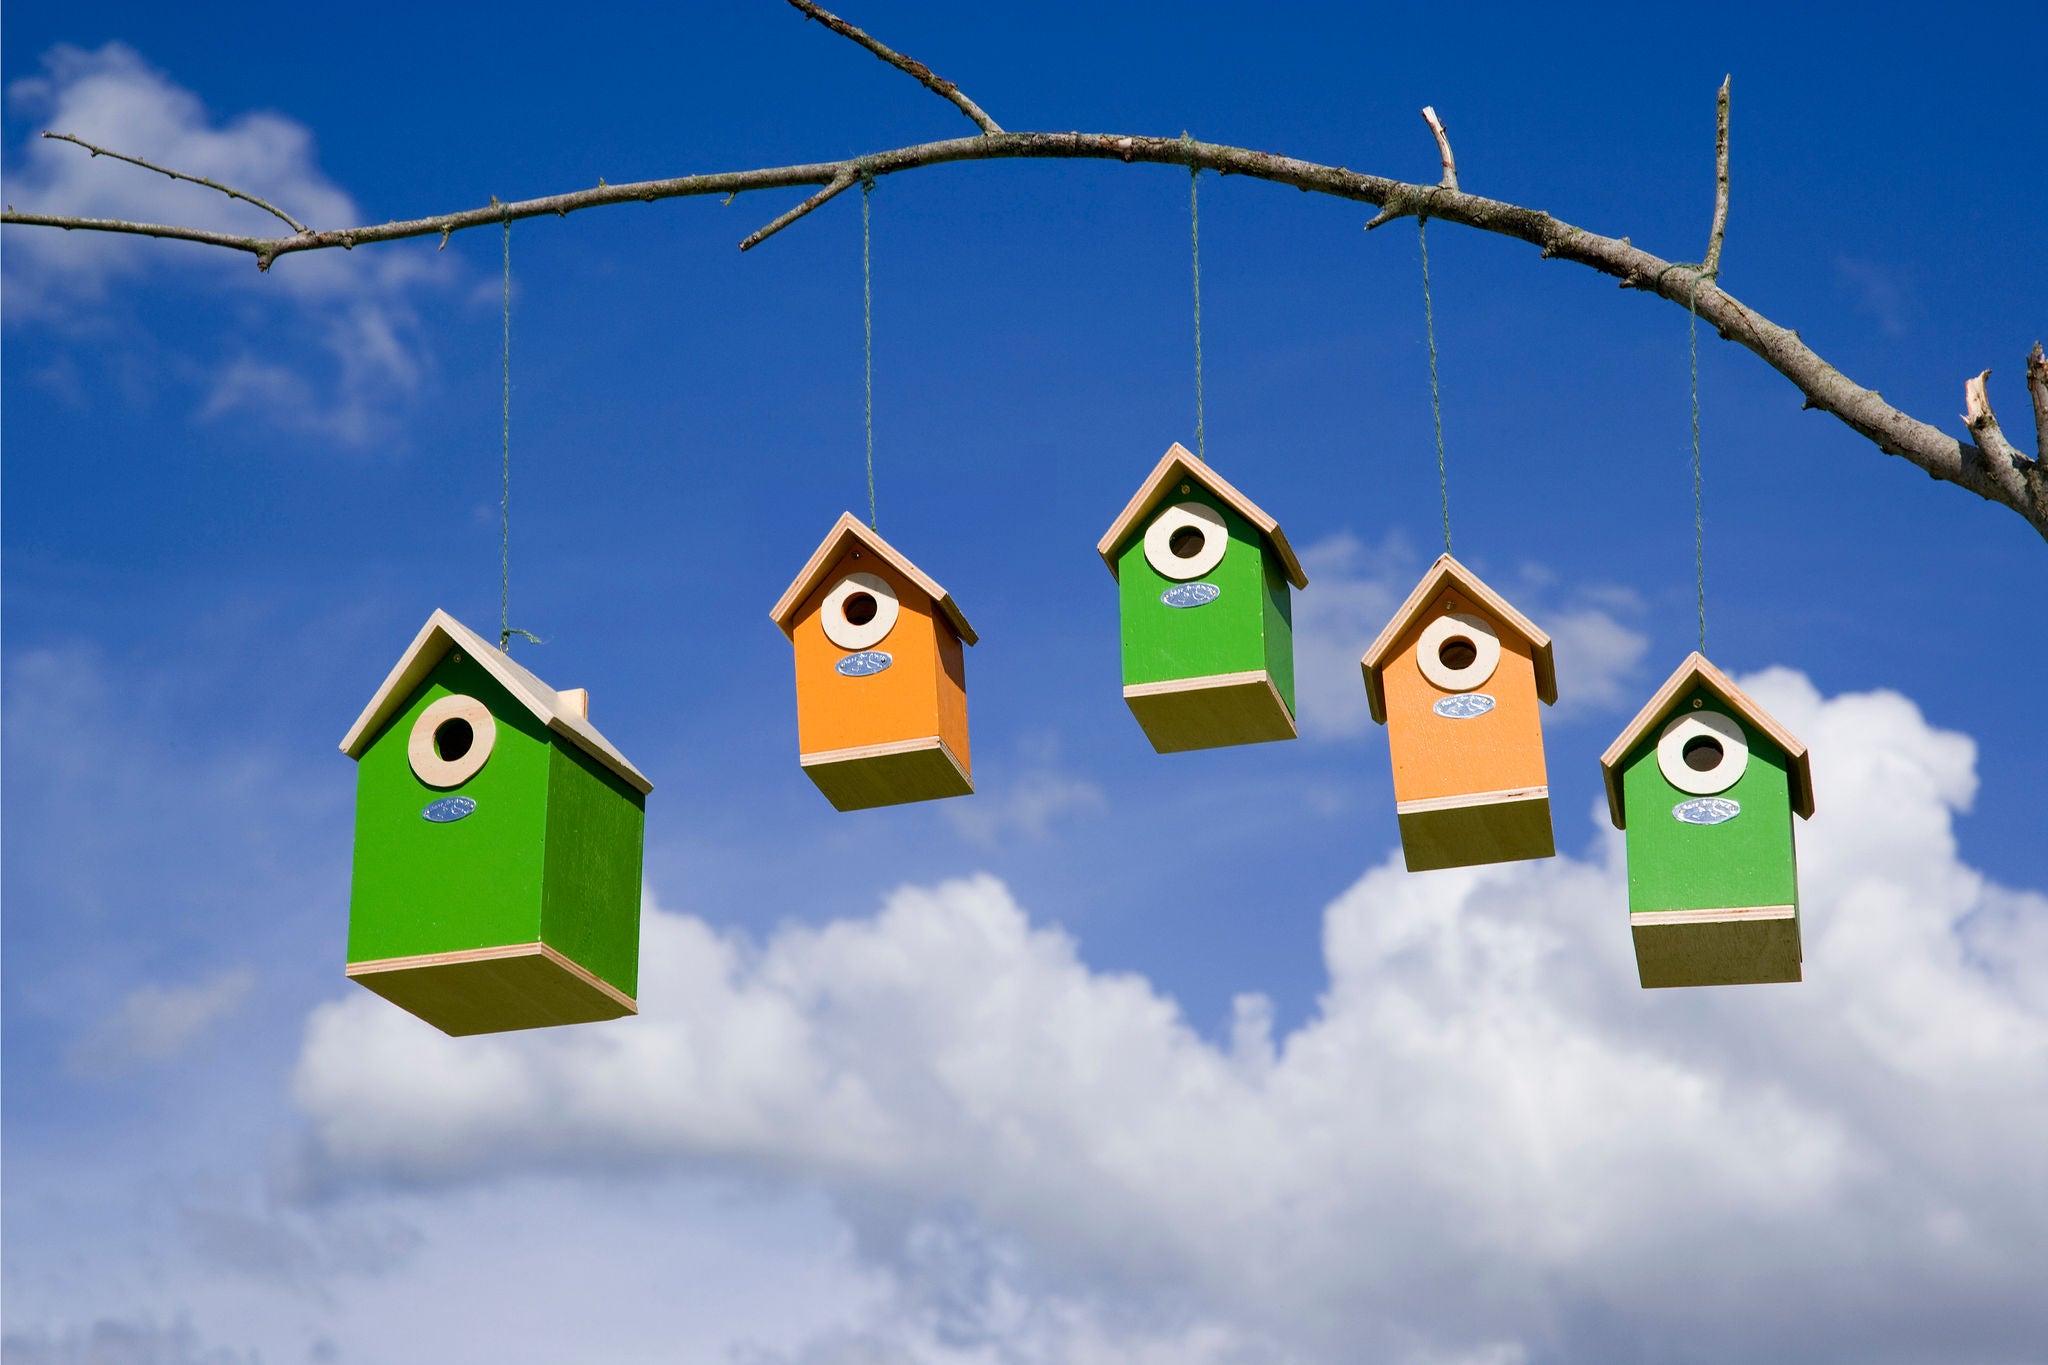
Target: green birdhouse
1705, 784
496, 882
1208, 630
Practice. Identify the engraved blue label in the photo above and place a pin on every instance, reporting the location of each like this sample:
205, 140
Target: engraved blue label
1191, 594
864, 664
1706, 810
448, 809
1464, 706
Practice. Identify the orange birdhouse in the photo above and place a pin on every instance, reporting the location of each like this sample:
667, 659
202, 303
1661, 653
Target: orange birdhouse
881, 678
1456, 677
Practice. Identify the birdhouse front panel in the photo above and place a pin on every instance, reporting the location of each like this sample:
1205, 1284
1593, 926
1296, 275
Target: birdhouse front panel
881, 680
496, 876
1713, 887
1207, 625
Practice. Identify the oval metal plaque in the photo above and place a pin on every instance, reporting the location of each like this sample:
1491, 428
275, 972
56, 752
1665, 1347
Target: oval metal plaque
1706, 810
1191, 594
1464, 706
448, 809
866, 663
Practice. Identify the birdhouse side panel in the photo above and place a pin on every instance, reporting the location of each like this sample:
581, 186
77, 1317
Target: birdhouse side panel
953, 692
840, 710
596, 833
1739, 862
1226, 634
1462, 754
1278, 625
422, 884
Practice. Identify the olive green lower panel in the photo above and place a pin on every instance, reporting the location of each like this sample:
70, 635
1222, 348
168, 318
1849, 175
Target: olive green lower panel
1210, 712
1486, 827
888, 774
494, 990
1741, 947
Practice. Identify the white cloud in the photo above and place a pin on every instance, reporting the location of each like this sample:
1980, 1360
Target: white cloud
1486, 1145
1022, 804
155, 1023
357, 304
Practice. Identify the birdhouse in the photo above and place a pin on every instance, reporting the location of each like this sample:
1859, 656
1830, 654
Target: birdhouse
1456, 677
1208, 629
881, 675
1705, 786
496, 882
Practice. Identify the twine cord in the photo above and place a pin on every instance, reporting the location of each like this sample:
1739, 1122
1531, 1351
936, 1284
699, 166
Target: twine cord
1195, 240
1436, 406
867, 322
506, 630
1699, 523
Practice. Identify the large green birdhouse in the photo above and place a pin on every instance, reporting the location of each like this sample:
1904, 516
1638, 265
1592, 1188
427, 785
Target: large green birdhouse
1705, 785
1208, 632
498, 835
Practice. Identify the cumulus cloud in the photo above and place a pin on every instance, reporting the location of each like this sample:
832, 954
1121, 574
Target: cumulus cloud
357, 305
1354, 590
1487, 1144
155, 1023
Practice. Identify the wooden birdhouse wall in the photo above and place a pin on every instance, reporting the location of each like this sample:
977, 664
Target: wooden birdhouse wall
922, 693
1249, 626
1746, 861
1437, 757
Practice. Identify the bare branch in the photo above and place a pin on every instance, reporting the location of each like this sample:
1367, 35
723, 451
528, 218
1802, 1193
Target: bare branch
925, 76
1711, 266
2005, 465
839, 185
1443, 149
2037, 385
227, 190
1864, 411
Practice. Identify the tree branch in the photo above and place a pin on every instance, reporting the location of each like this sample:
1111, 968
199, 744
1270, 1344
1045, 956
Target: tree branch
2037, 385
2002, 461
1967, 464
925, 76
1443, 148
1711, 266
227, 190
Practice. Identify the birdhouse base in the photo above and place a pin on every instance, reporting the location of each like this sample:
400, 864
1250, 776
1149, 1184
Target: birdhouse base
888, 774
1211, 712
1485, 827
494, 990
1741, 947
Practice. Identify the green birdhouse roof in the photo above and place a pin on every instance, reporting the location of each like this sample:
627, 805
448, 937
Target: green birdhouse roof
1180, 466
1696, 670
1448, 570
848, 531
560, 712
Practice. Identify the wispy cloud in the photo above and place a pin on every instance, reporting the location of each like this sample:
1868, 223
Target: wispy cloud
155, 1023
1877, 292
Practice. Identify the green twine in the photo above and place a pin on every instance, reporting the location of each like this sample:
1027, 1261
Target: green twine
1699, 522
1195, 238
1436, 406
867, 322
505, 628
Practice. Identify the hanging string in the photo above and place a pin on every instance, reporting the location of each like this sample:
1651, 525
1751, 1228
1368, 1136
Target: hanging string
1195, 237
1699, 522
1436, 406
505, 628
867, 322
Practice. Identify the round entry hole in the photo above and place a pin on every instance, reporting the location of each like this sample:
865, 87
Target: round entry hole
1702, 754
860, 608
1457, 652
452, 739
1187, 542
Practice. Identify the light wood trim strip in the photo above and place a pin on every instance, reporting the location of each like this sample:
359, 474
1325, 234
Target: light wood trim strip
1499, 798
1646, 918
1256, 675
497, 954
897, 746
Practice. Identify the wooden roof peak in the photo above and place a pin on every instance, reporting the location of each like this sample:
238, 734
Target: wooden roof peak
1180, 463
1448, 570
443, 633
851, 528
1696, 669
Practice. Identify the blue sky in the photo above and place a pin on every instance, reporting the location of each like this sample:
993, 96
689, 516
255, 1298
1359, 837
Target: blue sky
231, 499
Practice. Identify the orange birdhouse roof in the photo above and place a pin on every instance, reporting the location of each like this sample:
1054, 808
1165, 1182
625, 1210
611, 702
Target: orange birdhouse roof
1449, 570
1177, 464
1696, 669
846, 530
560, 712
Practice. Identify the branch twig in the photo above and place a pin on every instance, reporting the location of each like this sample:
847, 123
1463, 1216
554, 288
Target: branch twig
931, 81
2037, 385
1711, 266
839, 185
2004, 463
227, 190
1443, 149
